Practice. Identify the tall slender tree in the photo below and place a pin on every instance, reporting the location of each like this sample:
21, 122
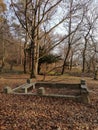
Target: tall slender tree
33, 15
75, 19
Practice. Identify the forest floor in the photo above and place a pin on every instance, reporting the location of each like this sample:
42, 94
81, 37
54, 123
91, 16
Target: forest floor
19, 112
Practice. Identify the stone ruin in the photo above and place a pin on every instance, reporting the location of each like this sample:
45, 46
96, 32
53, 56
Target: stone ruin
78, 92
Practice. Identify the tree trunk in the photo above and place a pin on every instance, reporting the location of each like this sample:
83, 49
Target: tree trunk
84, 53
25, 55
35, 42
69, 38
33, 65
39, 68
25, 71
3, 56
83, 67
21, 53
71, 61
63, 68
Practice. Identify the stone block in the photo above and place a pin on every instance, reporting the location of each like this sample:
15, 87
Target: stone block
84, 89
83, 82
85, 98
24, 90
41, 91
7, 90
29, 81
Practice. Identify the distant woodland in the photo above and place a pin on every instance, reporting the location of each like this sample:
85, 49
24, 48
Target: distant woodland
48, 36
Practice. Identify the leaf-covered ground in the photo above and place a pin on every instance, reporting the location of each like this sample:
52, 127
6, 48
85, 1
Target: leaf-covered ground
18, 112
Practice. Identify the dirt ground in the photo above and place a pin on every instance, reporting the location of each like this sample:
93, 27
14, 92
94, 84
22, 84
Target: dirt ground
18, 112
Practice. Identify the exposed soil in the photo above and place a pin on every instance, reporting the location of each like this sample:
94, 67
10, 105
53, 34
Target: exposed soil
18, 112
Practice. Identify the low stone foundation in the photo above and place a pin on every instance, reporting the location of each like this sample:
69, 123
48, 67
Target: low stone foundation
78, 92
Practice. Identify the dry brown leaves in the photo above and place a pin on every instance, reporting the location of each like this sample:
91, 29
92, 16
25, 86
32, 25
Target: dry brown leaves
18, 112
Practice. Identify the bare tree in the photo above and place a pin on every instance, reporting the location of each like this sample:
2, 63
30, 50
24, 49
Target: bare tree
75, 9
88, 27
34, 16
